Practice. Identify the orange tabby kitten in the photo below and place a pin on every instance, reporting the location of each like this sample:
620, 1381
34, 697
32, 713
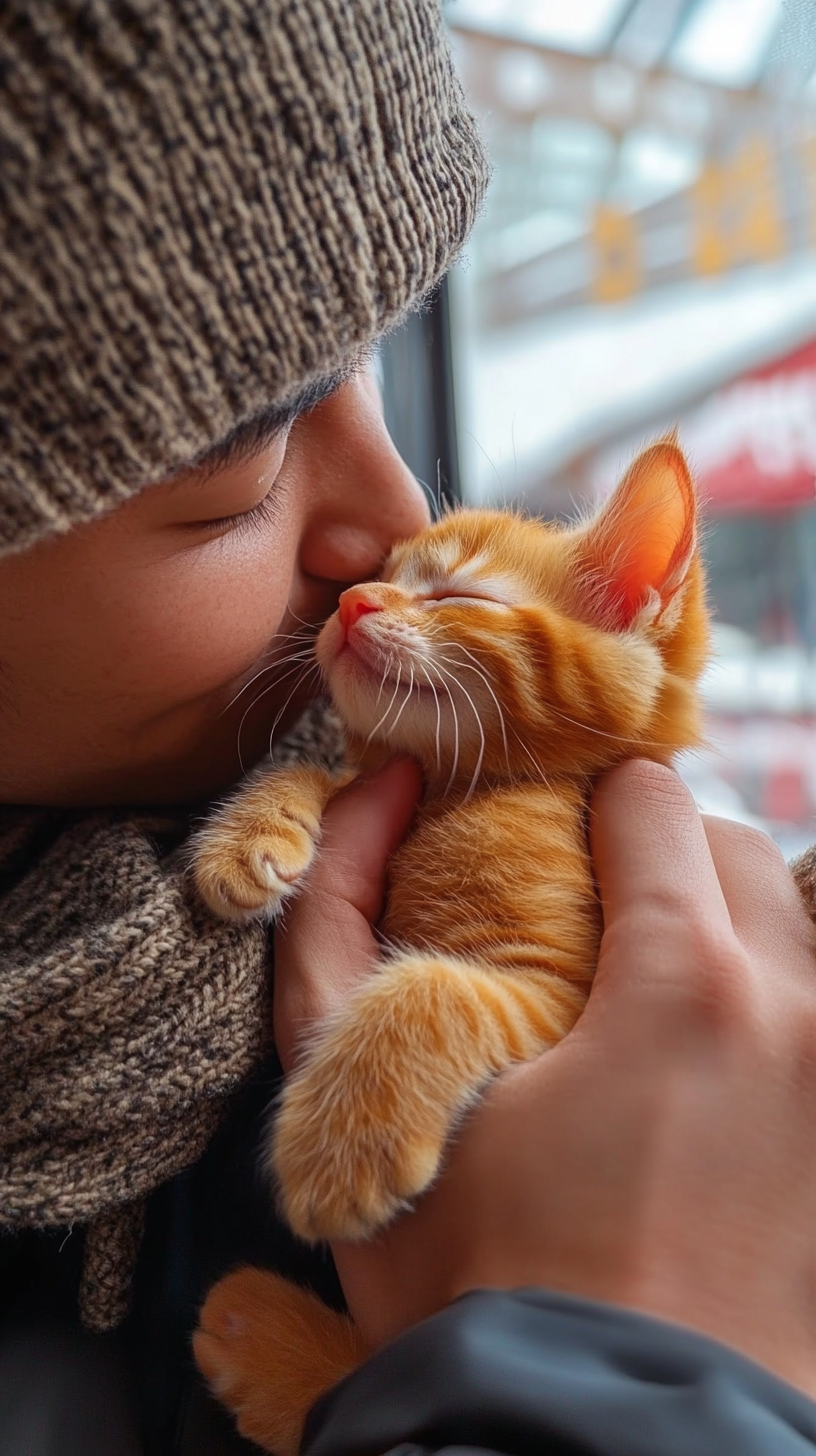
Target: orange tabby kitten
515, 661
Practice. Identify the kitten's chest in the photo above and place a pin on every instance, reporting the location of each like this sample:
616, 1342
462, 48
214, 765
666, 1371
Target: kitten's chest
505, 879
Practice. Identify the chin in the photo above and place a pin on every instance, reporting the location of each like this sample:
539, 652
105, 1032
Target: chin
416, 722
353, 691
356, 688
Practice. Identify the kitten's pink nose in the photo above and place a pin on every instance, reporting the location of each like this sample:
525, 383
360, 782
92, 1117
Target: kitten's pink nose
354, 604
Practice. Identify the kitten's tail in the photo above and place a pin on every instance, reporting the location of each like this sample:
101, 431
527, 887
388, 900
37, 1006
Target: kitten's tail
268, 1349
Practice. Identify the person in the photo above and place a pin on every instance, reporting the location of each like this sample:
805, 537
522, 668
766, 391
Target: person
209, 215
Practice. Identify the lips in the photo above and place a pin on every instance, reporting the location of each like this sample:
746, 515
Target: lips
351, 648
372, 668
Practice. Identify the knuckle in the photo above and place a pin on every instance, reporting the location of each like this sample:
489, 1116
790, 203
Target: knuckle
646, 778
750, 842
700, 980
801, 1056
722, 988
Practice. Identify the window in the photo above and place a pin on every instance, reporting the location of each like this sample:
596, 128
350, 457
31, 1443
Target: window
646, 259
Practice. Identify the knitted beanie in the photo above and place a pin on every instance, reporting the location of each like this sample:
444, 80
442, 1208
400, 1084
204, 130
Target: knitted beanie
204, 204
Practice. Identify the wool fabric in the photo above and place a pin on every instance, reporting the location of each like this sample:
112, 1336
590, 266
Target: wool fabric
204, 205
128, 1015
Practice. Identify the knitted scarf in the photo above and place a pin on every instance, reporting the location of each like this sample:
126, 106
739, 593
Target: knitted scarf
128, 1015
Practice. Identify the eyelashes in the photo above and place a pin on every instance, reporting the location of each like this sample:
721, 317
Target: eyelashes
260, 515
267, 510
454, 600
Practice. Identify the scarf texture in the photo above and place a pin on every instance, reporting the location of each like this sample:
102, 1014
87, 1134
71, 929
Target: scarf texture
128, 1015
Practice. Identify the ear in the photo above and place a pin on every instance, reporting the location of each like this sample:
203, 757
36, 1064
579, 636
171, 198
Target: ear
638, 549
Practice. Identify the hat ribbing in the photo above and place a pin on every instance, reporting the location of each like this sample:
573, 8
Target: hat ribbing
203, 204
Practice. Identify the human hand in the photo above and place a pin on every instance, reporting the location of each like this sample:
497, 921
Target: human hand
326, 943
661, 1158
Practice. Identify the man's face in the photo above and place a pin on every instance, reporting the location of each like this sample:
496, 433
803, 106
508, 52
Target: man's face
136, 649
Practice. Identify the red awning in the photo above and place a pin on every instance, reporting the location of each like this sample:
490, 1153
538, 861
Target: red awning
754, 442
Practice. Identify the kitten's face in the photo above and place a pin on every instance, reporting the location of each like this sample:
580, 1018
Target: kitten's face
504, 647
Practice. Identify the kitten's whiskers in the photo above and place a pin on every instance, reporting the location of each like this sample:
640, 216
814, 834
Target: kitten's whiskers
299, 682
531, 756
384, 676
600, 732
303, 671
306, 651
405, 699
438, 717
486, 682
480, 758
378, 726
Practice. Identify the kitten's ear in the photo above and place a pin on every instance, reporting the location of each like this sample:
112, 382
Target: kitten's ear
638, 549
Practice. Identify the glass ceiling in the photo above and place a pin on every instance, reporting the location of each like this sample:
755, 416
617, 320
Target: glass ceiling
571, 25
567, 375
728, 42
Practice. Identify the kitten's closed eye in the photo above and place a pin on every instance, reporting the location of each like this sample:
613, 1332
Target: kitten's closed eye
459, 598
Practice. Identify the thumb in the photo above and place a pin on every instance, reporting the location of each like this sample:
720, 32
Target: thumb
326, 943
361, 827
656, 881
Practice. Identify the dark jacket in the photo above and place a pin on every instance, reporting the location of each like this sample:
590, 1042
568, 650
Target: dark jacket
533, 1372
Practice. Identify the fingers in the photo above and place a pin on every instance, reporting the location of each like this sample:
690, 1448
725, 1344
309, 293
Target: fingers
765, 906
650, 851
668, 958
361, 828
326, 944
705, 908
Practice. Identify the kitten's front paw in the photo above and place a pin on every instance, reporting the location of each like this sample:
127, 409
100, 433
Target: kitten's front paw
354, 1142
245, 866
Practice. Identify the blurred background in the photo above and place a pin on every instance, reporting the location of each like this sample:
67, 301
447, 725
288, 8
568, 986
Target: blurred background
646, 259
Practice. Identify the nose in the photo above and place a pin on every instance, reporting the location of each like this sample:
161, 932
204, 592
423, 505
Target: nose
354, 604
362, 496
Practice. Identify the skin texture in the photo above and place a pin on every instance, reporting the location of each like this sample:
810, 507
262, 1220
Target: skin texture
659, 1158
673, 1169
124, 642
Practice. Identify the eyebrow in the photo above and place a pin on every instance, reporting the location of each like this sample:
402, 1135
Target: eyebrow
251, 436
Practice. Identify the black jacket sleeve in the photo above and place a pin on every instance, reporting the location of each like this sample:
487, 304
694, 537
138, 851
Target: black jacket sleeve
533, 1373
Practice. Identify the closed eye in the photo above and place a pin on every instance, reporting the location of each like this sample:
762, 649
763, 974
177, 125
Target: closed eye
266, 510
460, 599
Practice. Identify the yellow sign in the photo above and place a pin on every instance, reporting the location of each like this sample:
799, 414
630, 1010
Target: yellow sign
619, 272
734, 218
735, 212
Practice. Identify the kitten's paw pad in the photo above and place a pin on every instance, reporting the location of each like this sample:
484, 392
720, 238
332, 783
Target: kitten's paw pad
248, 877
229, 1349
344, 1168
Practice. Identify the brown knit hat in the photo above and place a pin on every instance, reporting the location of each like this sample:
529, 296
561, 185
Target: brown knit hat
204, 203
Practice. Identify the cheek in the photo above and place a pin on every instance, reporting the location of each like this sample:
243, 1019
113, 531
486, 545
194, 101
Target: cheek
213, 621
166, 632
